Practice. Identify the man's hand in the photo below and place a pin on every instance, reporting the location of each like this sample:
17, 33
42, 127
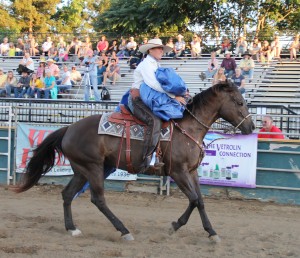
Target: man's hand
181, 100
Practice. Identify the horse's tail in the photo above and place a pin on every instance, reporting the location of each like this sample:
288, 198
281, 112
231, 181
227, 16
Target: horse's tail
42, 161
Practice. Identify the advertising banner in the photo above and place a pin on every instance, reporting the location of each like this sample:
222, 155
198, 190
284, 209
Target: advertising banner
230, 160
29, 136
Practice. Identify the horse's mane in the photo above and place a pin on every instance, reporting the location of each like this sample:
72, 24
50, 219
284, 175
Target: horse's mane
203, 97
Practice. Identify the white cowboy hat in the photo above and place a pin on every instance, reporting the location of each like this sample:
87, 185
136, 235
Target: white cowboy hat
50, 60
152, 43
227, 53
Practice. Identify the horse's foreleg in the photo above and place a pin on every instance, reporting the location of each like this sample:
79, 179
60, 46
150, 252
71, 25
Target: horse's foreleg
73, 187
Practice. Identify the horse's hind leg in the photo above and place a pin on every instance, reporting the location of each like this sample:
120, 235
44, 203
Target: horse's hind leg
73, 187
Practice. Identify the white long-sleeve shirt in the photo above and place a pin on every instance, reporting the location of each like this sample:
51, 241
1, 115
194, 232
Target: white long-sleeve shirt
145, 73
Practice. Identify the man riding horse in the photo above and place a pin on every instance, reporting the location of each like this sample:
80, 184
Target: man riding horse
145, 73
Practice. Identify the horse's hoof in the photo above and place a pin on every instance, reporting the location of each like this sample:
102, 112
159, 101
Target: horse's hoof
128, 237
75, 232
215, 239
172, 229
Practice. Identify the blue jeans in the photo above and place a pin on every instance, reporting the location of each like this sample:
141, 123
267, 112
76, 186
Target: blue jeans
100, 74
228, 73
46, 93
63, 87
250, 73
20, 92
8, 88
210, 74
87, 87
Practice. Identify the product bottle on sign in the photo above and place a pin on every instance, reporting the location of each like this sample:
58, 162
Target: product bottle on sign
217, 172
228, 172
211, 172
235, 173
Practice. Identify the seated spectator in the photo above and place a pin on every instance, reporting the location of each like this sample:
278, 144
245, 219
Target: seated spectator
241, 46
293, 48
3, 78
34, 85
64, 85
48, 85
268, 127
53, 53
26, 64
61, 42
102, 45
53, 68
10, 83
100, 71
225, 46
62, 49
195, 46
135, 60
20, 47
75, 75
40, 73
247, 65
171, 45
33, 48
239, 80
112, 72
255, 51
4, 47
104, 57
112, 47
145, 41
229, 64
22, 85
114, 56
276, 47
73, 49
131, 47
219, 76
122, 48
179, 46
46, 46
265, 53
213, 66
12, 49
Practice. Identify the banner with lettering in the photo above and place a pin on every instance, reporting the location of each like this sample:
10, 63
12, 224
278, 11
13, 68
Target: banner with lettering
230, 160
29, 136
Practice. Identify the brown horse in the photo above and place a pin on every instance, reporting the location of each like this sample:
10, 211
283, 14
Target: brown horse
89, 152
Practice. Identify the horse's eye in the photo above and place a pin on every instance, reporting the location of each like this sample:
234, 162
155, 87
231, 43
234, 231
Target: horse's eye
240, 102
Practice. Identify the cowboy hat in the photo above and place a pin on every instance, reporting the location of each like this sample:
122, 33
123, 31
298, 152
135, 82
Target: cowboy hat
153, 43
227, 53
50, 60
180, 36
246, 54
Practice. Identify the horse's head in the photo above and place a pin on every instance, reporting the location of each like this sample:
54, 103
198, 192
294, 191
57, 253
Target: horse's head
232, 107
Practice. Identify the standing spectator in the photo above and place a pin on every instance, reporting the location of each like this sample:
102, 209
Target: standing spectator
229, 64
46, 46
33, 48
4, 47
213, 66
268, 127
48, 86
170, 44
12, 49
3, 78
241, 46
276, 47
112, 72
219, 76
293, 48
19, 47
102, 45
64, 85
26, 64
239, 80
10, 83
75, 75
247, 65
265, 53
179, 46
53, 68
22, 85
34, 85
131, 47
91, 65
122, 48
195, 46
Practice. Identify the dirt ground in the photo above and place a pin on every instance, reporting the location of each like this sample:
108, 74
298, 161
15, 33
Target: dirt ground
31, 225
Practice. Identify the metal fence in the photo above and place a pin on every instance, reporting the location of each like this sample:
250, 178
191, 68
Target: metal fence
70, 111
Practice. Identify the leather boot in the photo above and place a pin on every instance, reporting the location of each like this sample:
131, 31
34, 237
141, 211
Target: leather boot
157, 165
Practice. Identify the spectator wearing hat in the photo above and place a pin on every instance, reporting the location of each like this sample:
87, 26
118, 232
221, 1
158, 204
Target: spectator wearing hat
26, 64
40, 72
269, 130
53, 68
179, 46
247, 65
229, 64
131, 47
22, 85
